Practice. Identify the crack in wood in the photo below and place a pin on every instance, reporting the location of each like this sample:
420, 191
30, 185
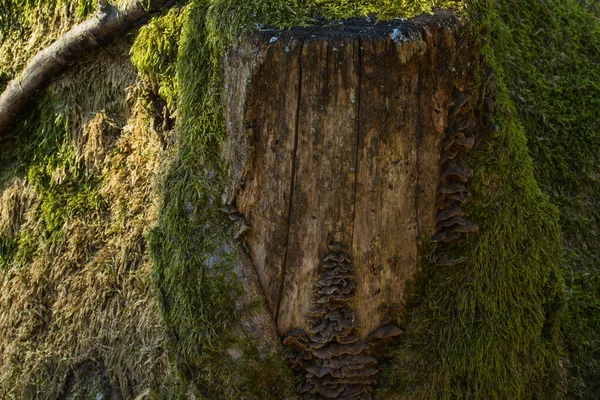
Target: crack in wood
358, 107
292, 183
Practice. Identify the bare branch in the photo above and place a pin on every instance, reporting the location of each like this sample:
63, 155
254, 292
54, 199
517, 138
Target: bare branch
107, 25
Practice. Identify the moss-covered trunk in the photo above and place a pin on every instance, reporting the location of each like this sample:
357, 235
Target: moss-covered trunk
125, 266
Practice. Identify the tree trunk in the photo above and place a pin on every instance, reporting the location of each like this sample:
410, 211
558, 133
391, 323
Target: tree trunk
344, 148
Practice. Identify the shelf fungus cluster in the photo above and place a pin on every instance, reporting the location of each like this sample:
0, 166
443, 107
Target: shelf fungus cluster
452, 192
335, 362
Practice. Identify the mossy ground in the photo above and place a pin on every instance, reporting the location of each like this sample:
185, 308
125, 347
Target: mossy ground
78, 197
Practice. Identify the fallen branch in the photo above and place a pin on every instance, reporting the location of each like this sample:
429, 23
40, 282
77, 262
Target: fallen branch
100, 30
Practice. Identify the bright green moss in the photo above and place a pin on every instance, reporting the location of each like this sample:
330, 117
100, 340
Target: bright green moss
154, 53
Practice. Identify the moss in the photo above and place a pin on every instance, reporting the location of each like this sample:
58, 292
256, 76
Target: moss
487, 329
196, 293
548, 52
154, 53
76, 276
28, 25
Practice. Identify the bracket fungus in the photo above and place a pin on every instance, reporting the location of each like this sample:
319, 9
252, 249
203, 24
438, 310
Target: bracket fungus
451, 222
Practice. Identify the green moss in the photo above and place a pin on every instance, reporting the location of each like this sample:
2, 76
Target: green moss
197, 293
43, 153
549, 54
154, 53
28, 25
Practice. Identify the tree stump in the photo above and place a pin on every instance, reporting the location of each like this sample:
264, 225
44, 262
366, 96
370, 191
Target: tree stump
343, 152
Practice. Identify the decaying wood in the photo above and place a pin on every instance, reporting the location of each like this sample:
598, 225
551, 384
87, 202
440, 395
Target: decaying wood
345, 134
107, 25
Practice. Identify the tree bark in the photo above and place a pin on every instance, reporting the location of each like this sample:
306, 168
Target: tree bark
344, 147
107, 25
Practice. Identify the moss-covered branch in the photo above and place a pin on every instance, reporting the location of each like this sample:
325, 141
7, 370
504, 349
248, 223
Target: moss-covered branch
107, 25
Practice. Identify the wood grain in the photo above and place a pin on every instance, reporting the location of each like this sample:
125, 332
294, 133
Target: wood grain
336, 137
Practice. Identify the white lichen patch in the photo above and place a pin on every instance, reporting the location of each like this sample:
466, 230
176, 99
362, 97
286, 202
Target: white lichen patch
398, 36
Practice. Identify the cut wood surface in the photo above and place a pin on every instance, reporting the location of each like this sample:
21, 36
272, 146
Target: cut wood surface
335, 136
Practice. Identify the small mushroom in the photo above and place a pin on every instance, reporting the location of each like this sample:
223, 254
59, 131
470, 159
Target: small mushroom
230, 208
449, 142
349, 359
445, 236
338, 248
240, 229
453, 211
336, 289
447, 155
349, 339
337, 257
453, 198
325, 282
459, 101
385, 332
450, 222
296, 337
324, 391
452, 187
336, 349
364, 372
319, 372
453, 171
464, 124
470, 227
467, 142
396, 309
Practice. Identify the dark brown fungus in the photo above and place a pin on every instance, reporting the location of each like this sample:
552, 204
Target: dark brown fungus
240, 228
396, 309
453, 171
470, 227
452, 192
467, 141
319, 372
452, 187
452, 222
453, 211
333, 351
459, 101
445, 236
386, 331
338, 247
464, 124
447, 155
337, 257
